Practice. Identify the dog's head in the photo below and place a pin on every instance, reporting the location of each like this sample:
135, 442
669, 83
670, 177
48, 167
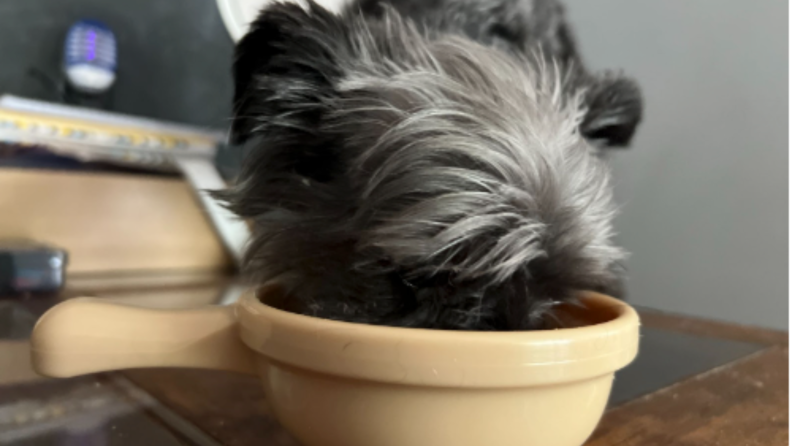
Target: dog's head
434, 182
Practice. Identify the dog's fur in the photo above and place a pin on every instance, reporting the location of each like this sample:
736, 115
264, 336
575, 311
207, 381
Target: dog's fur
427, 163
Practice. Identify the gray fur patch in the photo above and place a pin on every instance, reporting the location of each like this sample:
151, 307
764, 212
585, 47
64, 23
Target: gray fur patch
417, 180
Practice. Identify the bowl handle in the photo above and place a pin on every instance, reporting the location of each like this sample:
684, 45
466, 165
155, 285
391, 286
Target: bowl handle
86, 335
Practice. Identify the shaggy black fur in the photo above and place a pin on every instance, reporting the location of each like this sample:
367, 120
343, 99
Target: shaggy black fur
402, 176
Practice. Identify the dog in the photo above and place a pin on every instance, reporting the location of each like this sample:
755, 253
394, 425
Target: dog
427, 163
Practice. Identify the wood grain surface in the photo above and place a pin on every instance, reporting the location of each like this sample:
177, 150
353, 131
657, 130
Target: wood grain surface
229, 407
745, 403
713, 329
111, 222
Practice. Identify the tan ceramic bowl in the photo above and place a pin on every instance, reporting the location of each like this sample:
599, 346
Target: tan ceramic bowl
341, 384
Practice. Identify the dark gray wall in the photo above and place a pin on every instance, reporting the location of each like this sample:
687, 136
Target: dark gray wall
704, 188
174, 55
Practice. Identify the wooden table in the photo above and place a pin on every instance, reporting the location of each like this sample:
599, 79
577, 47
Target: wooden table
735, 394
744, 402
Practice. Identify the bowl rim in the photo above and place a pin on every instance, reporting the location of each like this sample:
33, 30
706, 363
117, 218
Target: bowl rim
442, 358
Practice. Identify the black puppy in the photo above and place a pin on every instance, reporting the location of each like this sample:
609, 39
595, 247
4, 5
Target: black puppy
427, 163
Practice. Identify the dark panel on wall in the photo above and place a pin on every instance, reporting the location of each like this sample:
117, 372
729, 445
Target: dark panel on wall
174, 55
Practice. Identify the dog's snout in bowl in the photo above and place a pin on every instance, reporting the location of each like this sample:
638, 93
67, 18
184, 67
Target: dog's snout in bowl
334, 383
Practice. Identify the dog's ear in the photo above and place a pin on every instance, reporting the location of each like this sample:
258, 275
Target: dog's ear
615, 108
284, 68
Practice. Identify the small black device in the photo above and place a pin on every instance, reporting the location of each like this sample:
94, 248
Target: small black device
30, 267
